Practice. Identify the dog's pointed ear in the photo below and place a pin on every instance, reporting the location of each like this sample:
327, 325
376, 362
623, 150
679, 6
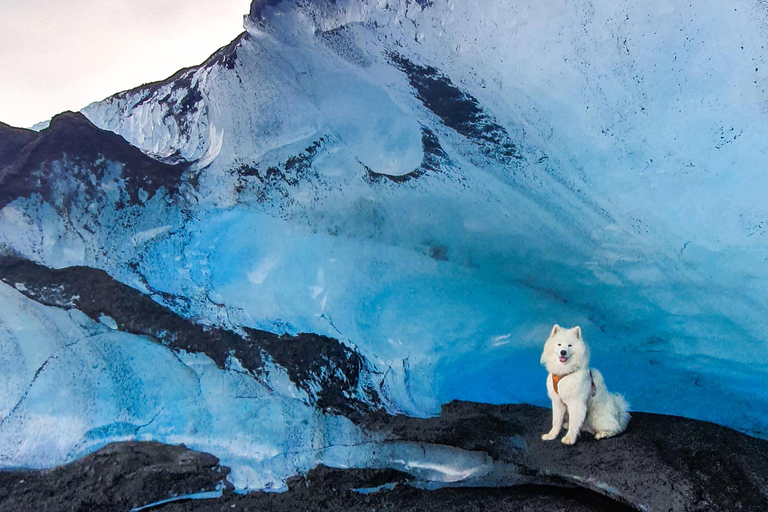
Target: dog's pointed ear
577, 332
556, 329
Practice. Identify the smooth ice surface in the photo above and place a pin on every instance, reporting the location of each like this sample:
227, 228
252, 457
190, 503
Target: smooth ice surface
635, 209
426, 462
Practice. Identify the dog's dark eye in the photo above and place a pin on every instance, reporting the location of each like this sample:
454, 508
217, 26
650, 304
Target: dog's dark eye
559, 345
570, 345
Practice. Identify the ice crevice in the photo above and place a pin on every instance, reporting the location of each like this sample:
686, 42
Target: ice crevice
150, 422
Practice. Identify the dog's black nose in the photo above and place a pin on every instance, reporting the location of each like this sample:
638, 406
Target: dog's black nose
563, 352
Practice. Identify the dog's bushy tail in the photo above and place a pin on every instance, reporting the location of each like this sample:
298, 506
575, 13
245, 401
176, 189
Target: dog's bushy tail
623, 407
619, 402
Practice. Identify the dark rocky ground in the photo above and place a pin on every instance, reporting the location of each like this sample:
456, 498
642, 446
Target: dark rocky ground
325, 489
118, 477
662, 463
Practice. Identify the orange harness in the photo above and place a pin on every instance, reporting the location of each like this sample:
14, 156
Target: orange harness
556, 379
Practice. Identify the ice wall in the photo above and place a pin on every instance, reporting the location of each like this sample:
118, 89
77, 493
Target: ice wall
633, 207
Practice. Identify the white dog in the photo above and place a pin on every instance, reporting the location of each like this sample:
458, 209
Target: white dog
574, 387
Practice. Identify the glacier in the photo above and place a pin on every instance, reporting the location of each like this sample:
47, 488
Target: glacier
431, 183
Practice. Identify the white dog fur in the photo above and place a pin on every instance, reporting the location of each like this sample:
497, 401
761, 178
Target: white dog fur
581, 392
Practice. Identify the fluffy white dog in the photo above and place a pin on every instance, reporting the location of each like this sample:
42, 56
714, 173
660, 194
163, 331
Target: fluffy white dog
575, 388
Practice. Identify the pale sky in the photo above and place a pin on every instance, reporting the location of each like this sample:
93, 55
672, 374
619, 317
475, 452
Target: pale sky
58, 55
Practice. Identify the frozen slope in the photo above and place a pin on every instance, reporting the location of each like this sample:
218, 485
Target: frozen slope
71, 385
435, 184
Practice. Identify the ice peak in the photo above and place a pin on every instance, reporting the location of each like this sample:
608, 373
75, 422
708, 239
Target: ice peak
258, 6
322, 15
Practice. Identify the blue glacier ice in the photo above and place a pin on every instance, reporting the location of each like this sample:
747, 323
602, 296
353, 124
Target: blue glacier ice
435, 185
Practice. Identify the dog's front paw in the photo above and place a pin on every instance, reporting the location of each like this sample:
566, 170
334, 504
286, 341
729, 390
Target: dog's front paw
548, 436
569, 439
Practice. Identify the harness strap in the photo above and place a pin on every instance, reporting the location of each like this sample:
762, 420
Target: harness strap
556, 378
